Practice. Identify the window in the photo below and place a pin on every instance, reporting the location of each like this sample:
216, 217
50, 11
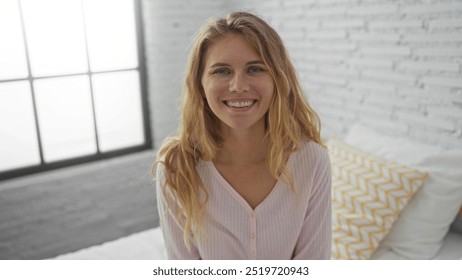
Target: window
72, 85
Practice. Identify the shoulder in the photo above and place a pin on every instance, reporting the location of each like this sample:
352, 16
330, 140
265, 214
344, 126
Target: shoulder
168, 157
313, 152
165, 195
159, 176
158, 171
311, 167
310, 161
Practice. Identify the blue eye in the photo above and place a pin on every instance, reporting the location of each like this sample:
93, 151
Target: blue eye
255, 69
221, 71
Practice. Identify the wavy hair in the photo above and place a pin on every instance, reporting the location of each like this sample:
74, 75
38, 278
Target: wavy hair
289, 120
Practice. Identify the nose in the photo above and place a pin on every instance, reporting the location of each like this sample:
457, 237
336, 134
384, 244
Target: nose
239, 83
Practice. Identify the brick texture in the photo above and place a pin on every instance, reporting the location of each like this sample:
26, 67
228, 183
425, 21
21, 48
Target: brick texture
409, 53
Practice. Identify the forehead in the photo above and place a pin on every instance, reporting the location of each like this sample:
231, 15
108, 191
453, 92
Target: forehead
231, 48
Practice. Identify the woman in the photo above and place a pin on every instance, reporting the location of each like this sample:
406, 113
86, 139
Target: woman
247, 177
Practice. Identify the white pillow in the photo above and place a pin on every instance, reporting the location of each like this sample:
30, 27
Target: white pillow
422, 225
368, 195
398, 149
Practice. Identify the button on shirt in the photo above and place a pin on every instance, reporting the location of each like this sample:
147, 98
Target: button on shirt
285, 225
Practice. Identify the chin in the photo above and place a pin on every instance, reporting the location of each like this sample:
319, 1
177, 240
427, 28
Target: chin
245, 126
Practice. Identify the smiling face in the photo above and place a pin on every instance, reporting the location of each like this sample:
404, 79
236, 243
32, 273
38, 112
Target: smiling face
237, 84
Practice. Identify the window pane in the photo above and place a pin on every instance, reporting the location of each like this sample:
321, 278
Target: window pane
55, 36
118, 110
12, 53
18, 137
112, 40
65, 117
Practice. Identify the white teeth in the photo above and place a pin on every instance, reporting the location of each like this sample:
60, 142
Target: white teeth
239, 104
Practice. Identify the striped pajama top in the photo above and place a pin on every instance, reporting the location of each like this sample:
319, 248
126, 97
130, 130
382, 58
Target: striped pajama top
285, 225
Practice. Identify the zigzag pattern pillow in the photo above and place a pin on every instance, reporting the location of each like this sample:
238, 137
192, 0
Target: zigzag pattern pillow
367, 197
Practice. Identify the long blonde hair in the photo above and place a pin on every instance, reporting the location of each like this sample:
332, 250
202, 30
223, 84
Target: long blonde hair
289, 119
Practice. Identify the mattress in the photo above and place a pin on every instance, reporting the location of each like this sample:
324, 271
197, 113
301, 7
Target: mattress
145, 245
148, 245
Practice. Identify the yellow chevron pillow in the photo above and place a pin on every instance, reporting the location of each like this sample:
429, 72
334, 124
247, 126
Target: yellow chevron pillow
368, 195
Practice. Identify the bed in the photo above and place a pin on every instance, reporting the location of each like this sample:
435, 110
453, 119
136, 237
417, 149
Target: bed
425, 223
148, 245
145, 245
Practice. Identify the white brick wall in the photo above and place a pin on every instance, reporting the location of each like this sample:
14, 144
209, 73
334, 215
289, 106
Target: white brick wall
393, 65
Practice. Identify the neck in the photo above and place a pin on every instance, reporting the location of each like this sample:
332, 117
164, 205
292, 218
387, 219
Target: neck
243, 148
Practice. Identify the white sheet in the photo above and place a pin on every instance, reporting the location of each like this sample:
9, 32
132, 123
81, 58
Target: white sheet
148, 245
145, 245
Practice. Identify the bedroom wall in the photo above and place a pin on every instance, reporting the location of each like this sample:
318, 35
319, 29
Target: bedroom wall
395, 66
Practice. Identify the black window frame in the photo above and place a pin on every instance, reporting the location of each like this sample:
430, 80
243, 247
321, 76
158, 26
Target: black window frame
148, 140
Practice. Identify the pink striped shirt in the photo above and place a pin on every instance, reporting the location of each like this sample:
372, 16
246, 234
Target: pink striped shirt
285, 225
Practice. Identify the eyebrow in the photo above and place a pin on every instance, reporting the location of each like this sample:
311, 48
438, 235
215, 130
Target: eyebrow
221, 64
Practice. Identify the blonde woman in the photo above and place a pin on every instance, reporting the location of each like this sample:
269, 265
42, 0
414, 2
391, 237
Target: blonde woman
247, 177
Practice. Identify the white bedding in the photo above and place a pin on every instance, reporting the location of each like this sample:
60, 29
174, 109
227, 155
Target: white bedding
148, 245
145, 245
